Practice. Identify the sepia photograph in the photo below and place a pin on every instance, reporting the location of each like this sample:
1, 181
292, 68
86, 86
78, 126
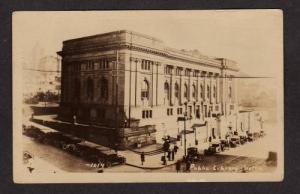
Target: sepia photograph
148, 96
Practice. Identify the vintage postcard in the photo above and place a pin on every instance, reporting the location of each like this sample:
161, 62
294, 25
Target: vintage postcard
148, 96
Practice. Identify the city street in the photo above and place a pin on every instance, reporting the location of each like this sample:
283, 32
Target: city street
248, 157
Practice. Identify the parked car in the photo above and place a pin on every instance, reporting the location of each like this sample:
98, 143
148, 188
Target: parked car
214, 148
33, 132
224, 144
98, 154
243, 139
262, 133
234, 141
256, 135
193, 155
250, 137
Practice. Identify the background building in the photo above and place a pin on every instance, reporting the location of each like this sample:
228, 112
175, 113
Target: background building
136, 84
42, 75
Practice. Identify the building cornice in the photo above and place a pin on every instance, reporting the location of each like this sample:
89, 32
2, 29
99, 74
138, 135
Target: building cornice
205, 61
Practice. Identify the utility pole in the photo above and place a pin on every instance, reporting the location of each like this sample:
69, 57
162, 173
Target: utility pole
117, 87
184, 130
184, 133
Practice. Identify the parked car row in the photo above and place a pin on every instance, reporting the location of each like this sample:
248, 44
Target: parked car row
232, 140
89, 151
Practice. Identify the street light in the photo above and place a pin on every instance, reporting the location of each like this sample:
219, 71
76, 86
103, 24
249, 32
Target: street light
185, 118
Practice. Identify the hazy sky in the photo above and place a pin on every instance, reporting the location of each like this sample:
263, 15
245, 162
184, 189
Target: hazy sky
252, 38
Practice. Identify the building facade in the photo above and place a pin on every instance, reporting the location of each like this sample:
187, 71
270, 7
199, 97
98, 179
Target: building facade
134, 83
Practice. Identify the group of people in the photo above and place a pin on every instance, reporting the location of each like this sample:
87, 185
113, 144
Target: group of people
171, 152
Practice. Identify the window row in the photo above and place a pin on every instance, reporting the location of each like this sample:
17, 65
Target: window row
90, 65
103, 85
146, 114
186, 91
187, 72
146, 64
169, 111
179, 111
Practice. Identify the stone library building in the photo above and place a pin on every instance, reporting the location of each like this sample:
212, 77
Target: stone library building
138, 87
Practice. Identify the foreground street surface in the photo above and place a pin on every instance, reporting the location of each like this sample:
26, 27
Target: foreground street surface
249, 157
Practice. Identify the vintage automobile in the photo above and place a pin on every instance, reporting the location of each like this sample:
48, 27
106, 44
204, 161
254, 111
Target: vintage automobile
256, 135
95, 153
60, 140
234, 141
214, 148
250, 137
33, 132
193, 155
262, 133
243, 139
224, 144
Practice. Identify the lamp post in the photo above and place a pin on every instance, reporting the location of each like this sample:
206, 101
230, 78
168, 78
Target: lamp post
184, 133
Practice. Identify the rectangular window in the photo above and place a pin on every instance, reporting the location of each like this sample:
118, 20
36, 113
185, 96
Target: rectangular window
217, 108
168, 70
146, 64
178, 111
143, 114
178, 71
146, 114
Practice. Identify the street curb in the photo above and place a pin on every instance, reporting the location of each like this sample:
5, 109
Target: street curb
149, 168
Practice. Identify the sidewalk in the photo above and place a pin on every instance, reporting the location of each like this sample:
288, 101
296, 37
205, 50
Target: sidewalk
151, 161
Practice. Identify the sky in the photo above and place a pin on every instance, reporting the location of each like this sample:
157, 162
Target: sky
252, 38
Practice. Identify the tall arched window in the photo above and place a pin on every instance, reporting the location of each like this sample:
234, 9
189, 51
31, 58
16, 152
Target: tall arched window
176, 90
167, 91
77, 89
90, 88
185, 92
201, 91
215, 92
104, 88
145, 90
194, 91
208, 91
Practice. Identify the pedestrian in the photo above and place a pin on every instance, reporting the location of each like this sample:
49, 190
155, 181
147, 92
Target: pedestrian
163, 159
169, 155
175, 149
188, 166
178, 166
142, 158
74, 120
172, 154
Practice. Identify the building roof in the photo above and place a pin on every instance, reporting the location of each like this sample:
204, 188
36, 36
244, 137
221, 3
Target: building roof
105, 40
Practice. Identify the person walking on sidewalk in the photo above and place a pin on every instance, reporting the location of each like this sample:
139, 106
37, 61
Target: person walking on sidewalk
172, 154
163, 159
178, 165
169, 155
175, 149
188, 166
142, 158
